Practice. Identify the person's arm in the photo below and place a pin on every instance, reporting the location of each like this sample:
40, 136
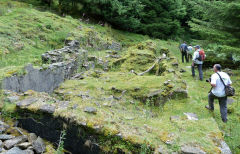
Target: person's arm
213, 80
229, 82
180, 46
213, 85
194, 56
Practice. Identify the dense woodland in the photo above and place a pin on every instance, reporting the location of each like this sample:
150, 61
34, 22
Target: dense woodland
215, 22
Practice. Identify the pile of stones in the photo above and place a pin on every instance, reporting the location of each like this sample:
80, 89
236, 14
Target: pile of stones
19, 143
68, 52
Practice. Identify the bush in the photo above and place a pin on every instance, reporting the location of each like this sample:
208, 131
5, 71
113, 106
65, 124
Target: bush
222, 54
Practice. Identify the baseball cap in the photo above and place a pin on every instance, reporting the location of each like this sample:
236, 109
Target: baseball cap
197, 46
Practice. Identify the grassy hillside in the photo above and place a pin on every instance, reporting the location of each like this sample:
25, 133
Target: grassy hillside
26, 33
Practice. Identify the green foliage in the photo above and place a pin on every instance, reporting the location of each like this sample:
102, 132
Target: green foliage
161, 19
145, 149
7, 109
156, 18
2, 11
60, 149
218, 25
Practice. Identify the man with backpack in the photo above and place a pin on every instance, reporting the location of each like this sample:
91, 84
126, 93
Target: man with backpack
183, 50
219, 80
198, 58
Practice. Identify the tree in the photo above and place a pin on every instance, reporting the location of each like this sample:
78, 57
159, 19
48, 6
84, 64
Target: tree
48, 2
219, 26
161, 18
157, 18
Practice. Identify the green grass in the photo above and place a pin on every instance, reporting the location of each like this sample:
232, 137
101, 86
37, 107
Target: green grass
26, 33
198, 92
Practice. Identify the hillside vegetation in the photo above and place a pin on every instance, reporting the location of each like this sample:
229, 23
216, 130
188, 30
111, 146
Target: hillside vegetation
137, 108
215, 24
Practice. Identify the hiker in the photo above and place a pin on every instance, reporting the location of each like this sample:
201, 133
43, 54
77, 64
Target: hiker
218, 91
197, 61
190, 52
183, 50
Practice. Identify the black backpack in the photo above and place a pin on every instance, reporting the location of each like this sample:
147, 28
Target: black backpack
199, 57
184, 49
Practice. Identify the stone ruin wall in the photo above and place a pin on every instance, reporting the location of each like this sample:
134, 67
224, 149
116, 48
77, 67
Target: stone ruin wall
63, 63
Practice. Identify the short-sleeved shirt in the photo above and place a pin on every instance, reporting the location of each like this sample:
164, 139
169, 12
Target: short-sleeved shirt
190, 49
183, 47
195, 57
219, 90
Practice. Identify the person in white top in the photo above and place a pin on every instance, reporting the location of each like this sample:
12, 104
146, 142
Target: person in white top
190, 52
197, 62
218, 91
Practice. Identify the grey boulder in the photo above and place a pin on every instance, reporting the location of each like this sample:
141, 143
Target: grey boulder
26, 102
12, 142
90, 110
191, 116
32, 137
16, 150
47, 108
24, 145
12, 99
39, 146
6, 137
3, 127
187, 149
225, 148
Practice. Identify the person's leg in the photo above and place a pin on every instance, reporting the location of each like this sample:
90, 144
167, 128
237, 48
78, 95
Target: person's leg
189, 57
186, 56
182, 57
193, 70
223, 108
210, 101
200, 72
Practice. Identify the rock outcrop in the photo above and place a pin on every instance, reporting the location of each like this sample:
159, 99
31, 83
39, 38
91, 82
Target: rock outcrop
63, 64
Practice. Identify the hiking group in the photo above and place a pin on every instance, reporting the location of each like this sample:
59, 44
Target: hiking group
198, 56
220, 81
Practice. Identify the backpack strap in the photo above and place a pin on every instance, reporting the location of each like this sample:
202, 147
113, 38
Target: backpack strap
221, 80
210, 90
